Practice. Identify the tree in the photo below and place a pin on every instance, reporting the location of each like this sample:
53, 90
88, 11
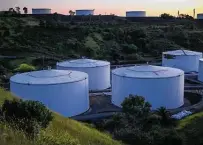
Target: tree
165, 116
136, 106
18, 10
11, 10
71, 14
25, 10
167, 16
185, 16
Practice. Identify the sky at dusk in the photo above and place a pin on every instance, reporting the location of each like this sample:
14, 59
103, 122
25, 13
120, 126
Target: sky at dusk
118, 7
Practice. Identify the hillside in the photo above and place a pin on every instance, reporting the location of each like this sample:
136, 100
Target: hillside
32, 37
61, 131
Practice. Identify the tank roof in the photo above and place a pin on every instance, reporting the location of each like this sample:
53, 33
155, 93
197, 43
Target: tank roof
182, 52
136, 11
83, 63
48, 77
85, 10
41, 9
147, 71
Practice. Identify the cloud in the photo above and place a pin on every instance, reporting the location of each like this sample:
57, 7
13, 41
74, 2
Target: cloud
6, 4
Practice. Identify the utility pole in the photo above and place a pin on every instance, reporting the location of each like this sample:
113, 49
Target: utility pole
178, 13
194, 13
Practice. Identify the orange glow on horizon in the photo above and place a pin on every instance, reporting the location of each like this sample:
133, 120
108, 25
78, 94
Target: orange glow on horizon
117, 7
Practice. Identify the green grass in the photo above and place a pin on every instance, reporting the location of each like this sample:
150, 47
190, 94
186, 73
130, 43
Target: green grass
64, 131
12, 137
189, 120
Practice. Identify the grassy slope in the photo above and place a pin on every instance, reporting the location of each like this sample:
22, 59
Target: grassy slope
189, 120
64, 129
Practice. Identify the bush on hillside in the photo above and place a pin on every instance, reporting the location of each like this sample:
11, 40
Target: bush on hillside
30, 127
29, 110
27, 116
24, 68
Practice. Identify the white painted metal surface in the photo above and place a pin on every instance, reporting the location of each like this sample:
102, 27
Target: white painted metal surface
200, 16
136, 14
41, 11
185, 60
65, 92
97, 70
85, 12
161, 86
200, 74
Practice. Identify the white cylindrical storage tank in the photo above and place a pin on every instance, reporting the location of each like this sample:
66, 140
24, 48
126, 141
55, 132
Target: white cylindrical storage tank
84, 12
160, 86
200, 74
200, 16
65, 92
97, 70
41, 11
136, 14
186, 60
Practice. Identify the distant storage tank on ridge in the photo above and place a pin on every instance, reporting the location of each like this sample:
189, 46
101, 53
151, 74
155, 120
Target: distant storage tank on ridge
97, 70
200, 16
41, 11
161, 86
136, 14
64, 92
186, 60
200, 74
84, 12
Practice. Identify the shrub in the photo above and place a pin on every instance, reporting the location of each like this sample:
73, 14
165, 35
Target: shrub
28, 110
30, 127
133, 136
136, 105
129, 48
165, 136
24, 68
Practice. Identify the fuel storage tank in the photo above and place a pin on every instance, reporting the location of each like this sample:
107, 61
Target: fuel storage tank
65, 92
200, 74
160, 86
41, 11
200, 16
85, 12
97, 70
186, 60
136, 14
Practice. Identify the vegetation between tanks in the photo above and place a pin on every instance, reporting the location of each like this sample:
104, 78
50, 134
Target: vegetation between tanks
138, 124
